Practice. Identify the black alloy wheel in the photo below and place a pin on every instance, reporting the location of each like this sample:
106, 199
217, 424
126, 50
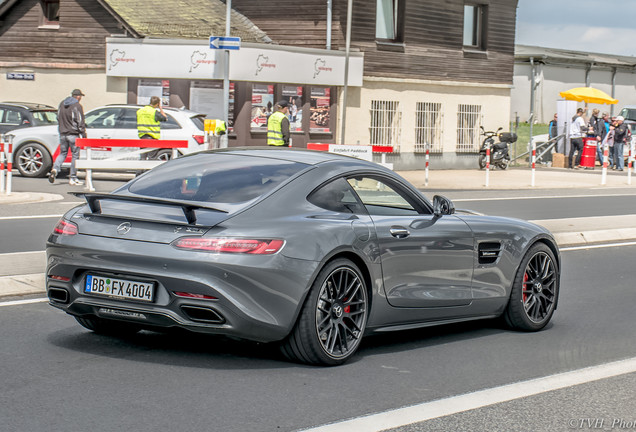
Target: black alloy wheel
33, 160
535, 290
333, 319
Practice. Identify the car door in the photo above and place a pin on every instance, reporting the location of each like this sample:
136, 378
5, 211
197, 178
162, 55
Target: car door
427, 261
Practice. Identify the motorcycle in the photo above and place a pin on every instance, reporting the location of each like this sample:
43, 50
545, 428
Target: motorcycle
499, 155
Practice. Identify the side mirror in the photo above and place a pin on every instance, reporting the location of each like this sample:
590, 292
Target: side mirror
442, 206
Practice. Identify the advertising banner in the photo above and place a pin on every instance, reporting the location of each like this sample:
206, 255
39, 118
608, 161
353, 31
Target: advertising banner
319, 110
262, 106
294, 95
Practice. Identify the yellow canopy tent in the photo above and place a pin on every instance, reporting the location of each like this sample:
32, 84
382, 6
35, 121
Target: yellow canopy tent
588, 95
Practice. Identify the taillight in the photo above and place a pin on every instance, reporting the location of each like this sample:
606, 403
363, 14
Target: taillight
193, 295
200, 139
60, 278
65, 228
230, 245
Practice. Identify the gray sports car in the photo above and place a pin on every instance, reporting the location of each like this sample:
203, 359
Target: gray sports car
308, 249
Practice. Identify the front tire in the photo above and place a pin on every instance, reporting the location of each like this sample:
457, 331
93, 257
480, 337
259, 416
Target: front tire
535, 290
33, 160
482, 161
333, 319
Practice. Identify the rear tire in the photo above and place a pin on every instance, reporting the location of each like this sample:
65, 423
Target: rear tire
164, 155
33, 160
107, 327
535, 290
332, 321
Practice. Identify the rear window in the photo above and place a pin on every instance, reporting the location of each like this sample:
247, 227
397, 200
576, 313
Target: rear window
43, 118
215, 178
198, 122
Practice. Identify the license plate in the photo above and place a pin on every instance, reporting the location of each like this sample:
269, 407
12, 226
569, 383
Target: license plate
119, 288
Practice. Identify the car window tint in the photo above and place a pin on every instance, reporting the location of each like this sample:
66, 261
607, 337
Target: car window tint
103, 118
127, 119
215, 178
43, 118
13, 117
2, 111
336, 196
379, 198
199, 122
171, 123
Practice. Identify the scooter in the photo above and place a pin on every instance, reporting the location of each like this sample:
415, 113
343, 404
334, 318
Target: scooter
499, 155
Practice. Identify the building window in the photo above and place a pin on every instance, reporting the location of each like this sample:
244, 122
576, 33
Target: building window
50, 17
474, 25
389, 20
469, 119
428, 127
386, 123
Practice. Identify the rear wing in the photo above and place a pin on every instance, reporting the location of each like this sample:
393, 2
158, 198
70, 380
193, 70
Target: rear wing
189, 209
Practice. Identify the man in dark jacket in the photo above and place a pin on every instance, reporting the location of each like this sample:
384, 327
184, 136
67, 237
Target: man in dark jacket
71, 125
622, 136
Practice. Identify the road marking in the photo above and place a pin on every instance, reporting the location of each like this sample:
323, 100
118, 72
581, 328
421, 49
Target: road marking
31, 217
22, 302
597, 246
479, 399
541, 197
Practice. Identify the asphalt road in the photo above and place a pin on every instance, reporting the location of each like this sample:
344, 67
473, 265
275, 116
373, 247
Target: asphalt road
56, 375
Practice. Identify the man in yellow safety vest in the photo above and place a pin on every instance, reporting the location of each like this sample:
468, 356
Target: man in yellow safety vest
278, 125
148, 120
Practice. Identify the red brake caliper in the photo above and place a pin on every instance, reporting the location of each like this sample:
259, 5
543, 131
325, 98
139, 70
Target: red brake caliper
525, 287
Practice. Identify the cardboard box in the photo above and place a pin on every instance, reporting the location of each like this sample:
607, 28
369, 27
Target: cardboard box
558, 160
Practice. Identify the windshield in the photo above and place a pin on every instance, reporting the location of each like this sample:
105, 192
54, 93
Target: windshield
43, 118
629, 113
215, 178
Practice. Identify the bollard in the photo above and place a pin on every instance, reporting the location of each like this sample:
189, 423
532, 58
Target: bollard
487, 165
1, 165
534, 161
426, 170
9, 164
605, 163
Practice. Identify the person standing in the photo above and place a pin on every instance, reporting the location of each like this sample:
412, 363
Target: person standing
621, 136
552, 128
71, 125
577, 129
278, 126
149, 119
596, 130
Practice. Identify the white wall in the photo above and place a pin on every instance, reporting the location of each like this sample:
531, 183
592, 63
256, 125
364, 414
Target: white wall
51, 86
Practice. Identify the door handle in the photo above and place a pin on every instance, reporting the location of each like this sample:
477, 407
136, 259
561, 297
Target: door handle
399, 232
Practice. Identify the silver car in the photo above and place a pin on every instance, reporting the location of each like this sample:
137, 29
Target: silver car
36, 148
307, 249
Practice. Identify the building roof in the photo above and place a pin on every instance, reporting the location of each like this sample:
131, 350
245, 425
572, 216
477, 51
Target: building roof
183, 19
523, 53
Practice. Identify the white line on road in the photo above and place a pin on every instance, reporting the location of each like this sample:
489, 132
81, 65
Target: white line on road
22, 302
539, 197
479, 399
31, 217
596, 246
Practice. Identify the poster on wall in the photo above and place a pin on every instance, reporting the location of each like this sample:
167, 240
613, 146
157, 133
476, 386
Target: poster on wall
148, 88
262, 106
294, 95
319, 110
206, 97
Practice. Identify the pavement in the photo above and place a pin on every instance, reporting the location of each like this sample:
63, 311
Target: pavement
23, 273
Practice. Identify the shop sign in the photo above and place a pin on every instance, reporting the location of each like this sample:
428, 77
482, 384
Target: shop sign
20, 76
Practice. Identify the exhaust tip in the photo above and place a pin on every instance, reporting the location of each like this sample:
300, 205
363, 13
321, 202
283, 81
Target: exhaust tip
58, 295
202, 314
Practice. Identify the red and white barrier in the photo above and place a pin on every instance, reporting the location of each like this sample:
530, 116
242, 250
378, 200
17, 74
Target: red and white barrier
487, 165
534, 161
605, 163
426, 169
6, 165
115, 164
360, 151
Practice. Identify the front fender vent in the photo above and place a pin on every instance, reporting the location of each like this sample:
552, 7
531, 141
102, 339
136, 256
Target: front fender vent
489, 252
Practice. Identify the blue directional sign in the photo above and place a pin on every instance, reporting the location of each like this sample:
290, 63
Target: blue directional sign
225, 42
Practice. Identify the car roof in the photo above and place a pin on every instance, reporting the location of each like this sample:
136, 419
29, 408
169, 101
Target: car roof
29, 105
171, 109
302, 155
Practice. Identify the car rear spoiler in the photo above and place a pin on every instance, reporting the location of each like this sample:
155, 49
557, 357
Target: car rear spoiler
93, 201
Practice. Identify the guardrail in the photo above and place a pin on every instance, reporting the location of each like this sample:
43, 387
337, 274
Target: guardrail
116, 163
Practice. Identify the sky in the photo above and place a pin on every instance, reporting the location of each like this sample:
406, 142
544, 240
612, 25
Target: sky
600, 26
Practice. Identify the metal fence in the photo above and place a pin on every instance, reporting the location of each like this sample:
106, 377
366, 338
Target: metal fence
469, 119
386, 124
428, 127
